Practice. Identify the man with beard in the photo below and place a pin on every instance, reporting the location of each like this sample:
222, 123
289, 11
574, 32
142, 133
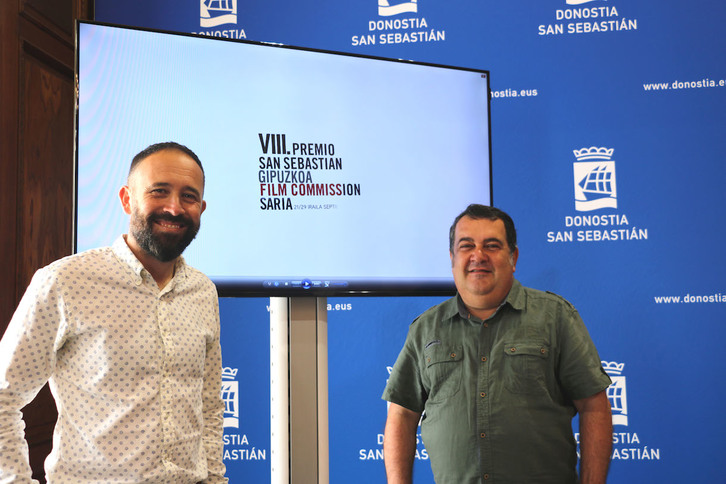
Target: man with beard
498, 372
128, 338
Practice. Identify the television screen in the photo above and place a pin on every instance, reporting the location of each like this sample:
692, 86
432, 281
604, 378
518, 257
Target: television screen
327, 174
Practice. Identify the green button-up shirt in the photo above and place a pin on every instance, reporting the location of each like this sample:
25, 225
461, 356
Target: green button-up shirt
498, 394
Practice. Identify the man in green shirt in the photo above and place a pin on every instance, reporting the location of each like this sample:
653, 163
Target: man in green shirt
498, 373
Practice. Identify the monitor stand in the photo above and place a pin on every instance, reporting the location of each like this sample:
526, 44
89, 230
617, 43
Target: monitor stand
299, 390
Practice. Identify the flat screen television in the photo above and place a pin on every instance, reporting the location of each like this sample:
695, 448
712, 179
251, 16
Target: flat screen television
327, 174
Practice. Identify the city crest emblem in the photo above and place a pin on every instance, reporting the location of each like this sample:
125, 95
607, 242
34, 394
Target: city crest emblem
385, 9
594, 176
217, 12
230, 396
617, 392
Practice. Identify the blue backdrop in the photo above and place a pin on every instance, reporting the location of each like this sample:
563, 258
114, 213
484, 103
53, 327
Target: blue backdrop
608, 149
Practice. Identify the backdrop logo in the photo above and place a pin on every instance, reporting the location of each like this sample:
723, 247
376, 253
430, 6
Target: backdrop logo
595, 186
401, 29
627, 443
213, 13
617, 393
595, 189
386, 10
230, 396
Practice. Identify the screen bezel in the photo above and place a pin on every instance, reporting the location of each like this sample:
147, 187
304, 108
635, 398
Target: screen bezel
360, 287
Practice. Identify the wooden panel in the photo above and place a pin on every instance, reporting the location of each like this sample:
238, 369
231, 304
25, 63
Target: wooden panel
8, 158
55, 16
46, 167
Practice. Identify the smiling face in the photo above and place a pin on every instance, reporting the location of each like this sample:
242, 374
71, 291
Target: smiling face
482, 264
164, 199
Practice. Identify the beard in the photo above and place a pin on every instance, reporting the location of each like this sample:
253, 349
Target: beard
162, 246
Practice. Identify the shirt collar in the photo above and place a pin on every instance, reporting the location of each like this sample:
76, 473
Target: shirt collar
516, 299
123, 253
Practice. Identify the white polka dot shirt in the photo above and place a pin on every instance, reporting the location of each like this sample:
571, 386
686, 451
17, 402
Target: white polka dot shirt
135, 372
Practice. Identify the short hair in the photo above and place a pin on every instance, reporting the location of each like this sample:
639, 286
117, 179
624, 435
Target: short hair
477, 211
167, 145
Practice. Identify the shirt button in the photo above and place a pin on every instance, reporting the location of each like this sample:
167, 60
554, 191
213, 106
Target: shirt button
486, 325
486, 476
483, 358
453, 355
482, 435
483, 394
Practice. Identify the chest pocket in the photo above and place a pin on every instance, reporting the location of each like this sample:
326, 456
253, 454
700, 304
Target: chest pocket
443, 373
525, 366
